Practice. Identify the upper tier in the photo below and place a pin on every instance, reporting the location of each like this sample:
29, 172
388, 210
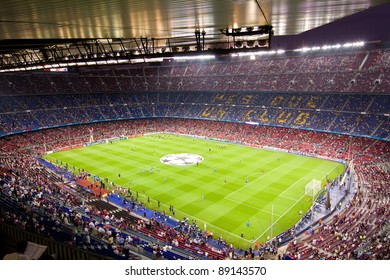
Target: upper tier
363, 71
342, 92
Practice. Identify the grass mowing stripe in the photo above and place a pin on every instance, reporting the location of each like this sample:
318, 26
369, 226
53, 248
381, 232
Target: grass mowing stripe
250, 183
227, 206
248, 205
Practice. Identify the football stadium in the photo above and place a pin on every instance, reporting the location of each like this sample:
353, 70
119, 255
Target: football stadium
180, 130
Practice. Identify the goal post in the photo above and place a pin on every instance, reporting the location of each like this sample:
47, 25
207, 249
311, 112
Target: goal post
313, 187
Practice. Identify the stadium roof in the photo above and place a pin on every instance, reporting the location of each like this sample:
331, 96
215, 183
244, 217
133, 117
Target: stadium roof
36, 19
35, 30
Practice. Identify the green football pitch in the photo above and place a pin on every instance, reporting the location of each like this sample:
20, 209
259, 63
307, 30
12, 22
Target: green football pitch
241, 193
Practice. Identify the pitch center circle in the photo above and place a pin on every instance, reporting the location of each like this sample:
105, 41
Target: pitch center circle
181, 159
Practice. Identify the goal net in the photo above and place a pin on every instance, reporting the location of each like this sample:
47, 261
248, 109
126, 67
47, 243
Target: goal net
313, 187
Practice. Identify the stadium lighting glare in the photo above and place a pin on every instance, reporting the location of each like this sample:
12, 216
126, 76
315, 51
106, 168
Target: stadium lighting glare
260, 53
111, 61
34, 67
306, 49
195, 57
351, 45
141, 60
328, 47
245, 54
123, 60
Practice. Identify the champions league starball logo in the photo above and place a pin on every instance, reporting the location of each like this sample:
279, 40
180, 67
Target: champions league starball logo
181, 159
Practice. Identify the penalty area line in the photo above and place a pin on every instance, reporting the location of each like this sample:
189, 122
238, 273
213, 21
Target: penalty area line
210, 224
281, 216
281, 195
248, 184
259, 209
290, 208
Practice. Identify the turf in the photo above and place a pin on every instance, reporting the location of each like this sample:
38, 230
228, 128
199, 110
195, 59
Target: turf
239, 183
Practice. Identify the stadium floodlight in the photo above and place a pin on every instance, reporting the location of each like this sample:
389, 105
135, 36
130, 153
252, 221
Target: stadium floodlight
304, 49
259, 53
257, 30
353, 44
328, 47
141, 60
195, 57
